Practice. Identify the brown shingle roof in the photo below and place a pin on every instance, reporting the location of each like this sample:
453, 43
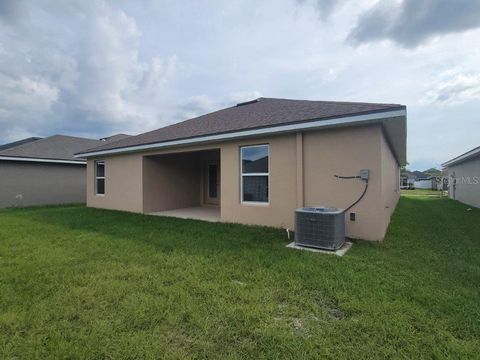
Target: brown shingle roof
260, 113
57, 147
19, 142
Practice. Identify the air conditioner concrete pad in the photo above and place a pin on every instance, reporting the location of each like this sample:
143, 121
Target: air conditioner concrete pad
339, 252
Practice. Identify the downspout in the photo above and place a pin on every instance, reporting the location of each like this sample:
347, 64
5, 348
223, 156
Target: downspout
300, 180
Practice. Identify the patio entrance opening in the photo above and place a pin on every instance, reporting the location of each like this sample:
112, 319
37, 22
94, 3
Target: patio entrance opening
185, 185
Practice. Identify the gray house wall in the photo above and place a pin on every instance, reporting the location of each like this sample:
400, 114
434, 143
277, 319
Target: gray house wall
467, 182
33, 183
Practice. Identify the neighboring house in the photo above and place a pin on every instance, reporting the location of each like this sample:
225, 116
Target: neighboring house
419, 180
38, 171
255, 162
464, 177
407, 180
429, 183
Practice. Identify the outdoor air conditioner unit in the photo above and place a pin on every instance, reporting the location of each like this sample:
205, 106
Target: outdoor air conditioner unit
320, 227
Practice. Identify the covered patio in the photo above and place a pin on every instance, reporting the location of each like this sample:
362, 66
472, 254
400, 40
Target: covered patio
184, 185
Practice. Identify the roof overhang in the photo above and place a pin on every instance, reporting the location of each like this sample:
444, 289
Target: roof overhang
41, 160
464, 157
393, 121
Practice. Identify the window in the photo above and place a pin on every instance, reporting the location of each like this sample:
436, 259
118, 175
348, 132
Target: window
100, 177
254, 173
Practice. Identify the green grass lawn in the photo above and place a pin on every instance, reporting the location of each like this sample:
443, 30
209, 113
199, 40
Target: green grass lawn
82, 283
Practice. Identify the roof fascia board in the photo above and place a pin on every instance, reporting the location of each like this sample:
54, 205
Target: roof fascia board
53, 161
464, 157
310, 125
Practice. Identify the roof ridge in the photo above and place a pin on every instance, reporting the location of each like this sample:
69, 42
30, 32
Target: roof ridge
69, 136
246, 103
33, 144
332, 101
21, 146
21, 143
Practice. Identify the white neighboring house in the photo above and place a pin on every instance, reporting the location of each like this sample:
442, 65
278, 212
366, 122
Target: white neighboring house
428, 183
464, 177
407, 180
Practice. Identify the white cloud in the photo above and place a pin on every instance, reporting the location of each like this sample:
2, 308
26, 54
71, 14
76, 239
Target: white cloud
26, 91
89, 79
34, 96
457, 89
241, 96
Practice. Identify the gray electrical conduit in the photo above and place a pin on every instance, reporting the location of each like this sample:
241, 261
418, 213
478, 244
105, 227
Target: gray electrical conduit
361, 196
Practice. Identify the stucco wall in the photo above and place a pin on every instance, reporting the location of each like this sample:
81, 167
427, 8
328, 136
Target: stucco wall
171, 182
468, 182
282, 167
345, 152
302, 169
25, 183
390, 181
123, 183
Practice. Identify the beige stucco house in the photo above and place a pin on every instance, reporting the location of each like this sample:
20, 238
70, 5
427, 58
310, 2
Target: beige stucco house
256, 162
464, 177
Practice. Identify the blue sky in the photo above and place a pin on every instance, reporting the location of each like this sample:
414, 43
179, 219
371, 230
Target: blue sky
94, 68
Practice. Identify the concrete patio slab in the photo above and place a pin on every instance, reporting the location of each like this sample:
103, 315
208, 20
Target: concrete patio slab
339, 252
205, 213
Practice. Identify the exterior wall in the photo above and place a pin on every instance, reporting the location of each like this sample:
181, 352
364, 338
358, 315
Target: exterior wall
134, 182
282, 186
302, 168
467, 187
345, 152
25, 183
123, 183
390, 181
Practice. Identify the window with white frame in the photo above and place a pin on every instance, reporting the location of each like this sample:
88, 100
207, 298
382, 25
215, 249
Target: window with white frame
254, 173
100, 177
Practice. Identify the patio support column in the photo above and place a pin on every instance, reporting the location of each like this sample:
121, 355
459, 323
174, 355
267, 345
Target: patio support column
300, 192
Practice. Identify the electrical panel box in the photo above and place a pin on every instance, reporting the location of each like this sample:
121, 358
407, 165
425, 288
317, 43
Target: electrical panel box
364, 174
